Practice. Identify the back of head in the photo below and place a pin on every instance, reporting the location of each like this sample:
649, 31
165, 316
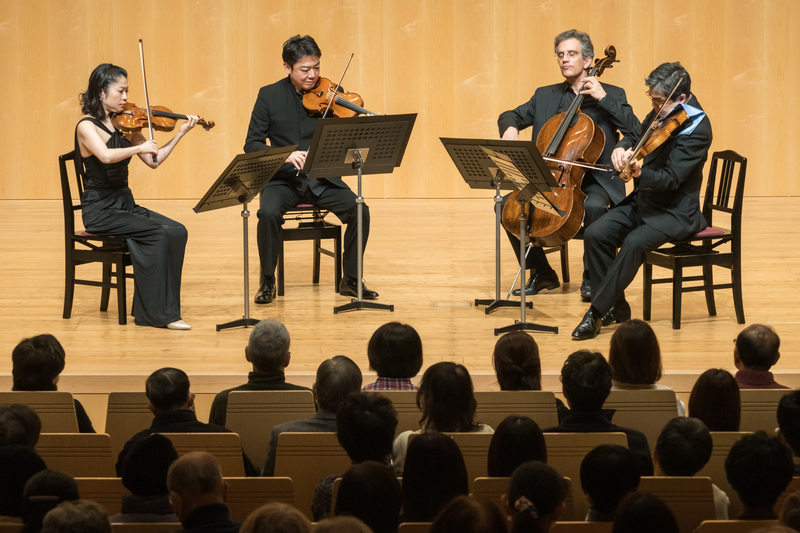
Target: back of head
586, 379
365, 426
789, 420
370, 492
758, 346
684, 447
434, 473
37, 362
196, 475
167, 389
276, 517
19, 425
268, 346
297, 47
716, 401
759, 468
43, 492
642, 511
608, 473
395, 351
516, 440
634, 354
17, 465
664, 77
516, 362
337, 378
790, 514
80, 516
446, 398
466, 514
144, 471
342, 524
535, 490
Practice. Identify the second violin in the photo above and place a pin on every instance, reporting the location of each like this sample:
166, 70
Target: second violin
344, 105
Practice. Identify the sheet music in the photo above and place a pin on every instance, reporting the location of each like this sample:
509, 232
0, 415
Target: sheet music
511, 172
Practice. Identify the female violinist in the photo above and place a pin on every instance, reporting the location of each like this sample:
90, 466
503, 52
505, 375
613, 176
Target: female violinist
156, 243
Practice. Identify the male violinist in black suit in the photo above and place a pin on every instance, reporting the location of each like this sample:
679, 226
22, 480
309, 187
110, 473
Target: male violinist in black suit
279, 115
608, 108
664, 204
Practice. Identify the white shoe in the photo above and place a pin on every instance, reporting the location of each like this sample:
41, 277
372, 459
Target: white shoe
179, 324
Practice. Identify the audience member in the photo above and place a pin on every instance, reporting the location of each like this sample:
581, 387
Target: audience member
37, 363
197, 493
635, 359
395, 354
447, 401
608, 474
434, 474
789, 425
517, 440
715, 400
337, 378
642, 512
80, 516
759, 468
342, 524
755, 352
535, 498
516, 362
370, 492
365, 427
145, 475
790, 514
43, 492
586, 383
17, 465
466, 514
683, 448
172, 403
276, 517
19, 426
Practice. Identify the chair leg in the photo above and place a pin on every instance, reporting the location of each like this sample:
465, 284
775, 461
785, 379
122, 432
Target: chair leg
565, 262
738, 301
280, 269
122, 292
708, 282
106, 291
317, 244
648, 290
337, 260
677, 292
69, 287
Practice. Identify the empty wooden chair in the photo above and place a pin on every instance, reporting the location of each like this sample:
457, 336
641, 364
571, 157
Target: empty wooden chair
56, 409
107, 491
581, 527
734, 526
126, 415
760, 409
690, 499
78, 454
246, 494
405, 404
715, 467
145, 527
644, 410
494, 487
495, 406
226, 447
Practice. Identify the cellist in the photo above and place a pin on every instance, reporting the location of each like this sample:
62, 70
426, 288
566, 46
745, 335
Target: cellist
609, 109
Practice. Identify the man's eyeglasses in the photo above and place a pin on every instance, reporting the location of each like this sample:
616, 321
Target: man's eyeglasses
657, 100
572, 54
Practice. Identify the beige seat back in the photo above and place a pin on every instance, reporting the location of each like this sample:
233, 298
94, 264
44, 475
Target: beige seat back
145, 527
224, 446
246, 494
581, 527
760, 409
734, 526
10, 527
475, 450
691, 499
415, 527
56, 410
494, 488
78, 454
107, 491
495, 406
794, 486
405, 403
644, 410
715, 468
126, 415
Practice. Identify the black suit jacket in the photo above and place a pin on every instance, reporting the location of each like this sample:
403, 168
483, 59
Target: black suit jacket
613, 114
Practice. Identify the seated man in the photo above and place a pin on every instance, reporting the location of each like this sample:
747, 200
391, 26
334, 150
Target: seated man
172, 403
337, 378
789, 425
586, 383
756, 351
268, 352
608, 474
19, 425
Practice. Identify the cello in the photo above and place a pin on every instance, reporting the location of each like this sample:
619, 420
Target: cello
568, 141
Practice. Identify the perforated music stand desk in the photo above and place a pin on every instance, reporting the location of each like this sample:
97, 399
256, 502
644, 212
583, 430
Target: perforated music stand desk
357, 146
238, 184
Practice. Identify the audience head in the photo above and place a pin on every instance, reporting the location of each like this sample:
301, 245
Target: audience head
276, 517
715, 400
789, 420
268, 348
36, 363
642, 512
683, 448
342, 524
586, 380
608, 474
517, 440
80, 516
370, 492
535, 499
759, 468
365, 426
144, 471
790, 514
19, 425
168, 390
17, 465
43, 492
467, 514
516, 362
193, 481
395, 351
337, 378
634, 354
757, 348
446, 398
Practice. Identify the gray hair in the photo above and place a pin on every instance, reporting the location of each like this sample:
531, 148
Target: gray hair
587, 48
664, 78
78, 515
195, 474
268, 345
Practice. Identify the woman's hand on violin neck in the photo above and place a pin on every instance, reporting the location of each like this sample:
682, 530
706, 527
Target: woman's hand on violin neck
297, 159
191, 121
619, 157
511, 134
593, 88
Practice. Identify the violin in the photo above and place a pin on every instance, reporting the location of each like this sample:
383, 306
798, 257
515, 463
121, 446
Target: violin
133, 118
345, 105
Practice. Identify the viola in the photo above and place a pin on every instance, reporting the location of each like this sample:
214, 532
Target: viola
133, 118
344, 105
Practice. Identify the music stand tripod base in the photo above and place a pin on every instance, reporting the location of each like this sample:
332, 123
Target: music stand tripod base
361, 304
243, 322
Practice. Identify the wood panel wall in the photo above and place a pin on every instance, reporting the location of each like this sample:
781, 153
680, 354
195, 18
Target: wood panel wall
457, 63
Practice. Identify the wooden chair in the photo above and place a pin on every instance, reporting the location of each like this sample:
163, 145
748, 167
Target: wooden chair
56, 410
226, 447
760, 409
691, 499
246, 494
495, 406
107, 491
126, 415
252, 414
581, 527
405, 404
82, 248
307, 458
147, 527
734, 526
703, 249
494, 487
794, 486
415, 527
78, 454
475, 450
715, 467
645, 410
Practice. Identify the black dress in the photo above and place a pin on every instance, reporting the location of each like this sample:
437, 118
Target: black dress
156, 243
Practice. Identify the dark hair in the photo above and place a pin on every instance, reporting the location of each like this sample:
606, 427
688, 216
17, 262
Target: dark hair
144, 471
586, 377
167, 389
433, 474
789, 419
642, 511
370, 492
664, 78
758, 347
337, 378
715, 400
395, 351
683, 447
295, 48
516, 362
634, 354
36, 363
100, 80
608, 473
446, 399
276, 517
19, 425
80, 516
365, 426
587, 48
468, 514
17, 465
517, 440
43, 492
759, 468
542, 486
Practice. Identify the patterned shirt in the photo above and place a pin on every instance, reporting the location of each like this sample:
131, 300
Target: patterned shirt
391, 384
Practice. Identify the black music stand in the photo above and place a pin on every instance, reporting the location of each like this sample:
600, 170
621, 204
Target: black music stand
239, 184
359, 145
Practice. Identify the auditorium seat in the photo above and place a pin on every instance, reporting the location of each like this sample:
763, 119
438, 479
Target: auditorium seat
644, 410
715, 468
794, 486
226, 447
56, 409
246, 494
107, 491
78, 454
147, 527
760, 409
475, 450
126, 415
415, 527
494, 487
734, 526
495, 406
581, 527
691, 499
405, 404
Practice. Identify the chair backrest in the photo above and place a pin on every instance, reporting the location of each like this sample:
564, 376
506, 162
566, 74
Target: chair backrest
715, 467
794, 486
725, 189
760, 409
126, 415
415, 527
146, 527
307, 458
252, 414
691, 499
226, 447
107, 491
56, 410
405, 404
495, 487
644, 410
246, 494
495, 406
10, 527
66, 196
475, 450
581, 527
78, 454
734, 526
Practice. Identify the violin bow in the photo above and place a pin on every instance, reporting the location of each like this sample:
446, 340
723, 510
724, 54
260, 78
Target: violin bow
336, 88
147, 99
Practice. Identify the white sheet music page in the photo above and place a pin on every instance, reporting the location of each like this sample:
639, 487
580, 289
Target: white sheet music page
511, 172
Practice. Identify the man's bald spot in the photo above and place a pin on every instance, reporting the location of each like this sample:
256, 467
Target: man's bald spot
196, 473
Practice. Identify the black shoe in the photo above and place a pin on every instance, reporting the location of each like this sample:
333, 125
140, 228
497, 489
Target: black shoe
619, 313
540, 282
588, 328
349, 287
266, 292
586, 291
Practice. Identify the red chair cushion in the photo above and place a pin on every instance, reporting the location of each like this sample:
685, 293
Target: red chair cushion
709, 232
